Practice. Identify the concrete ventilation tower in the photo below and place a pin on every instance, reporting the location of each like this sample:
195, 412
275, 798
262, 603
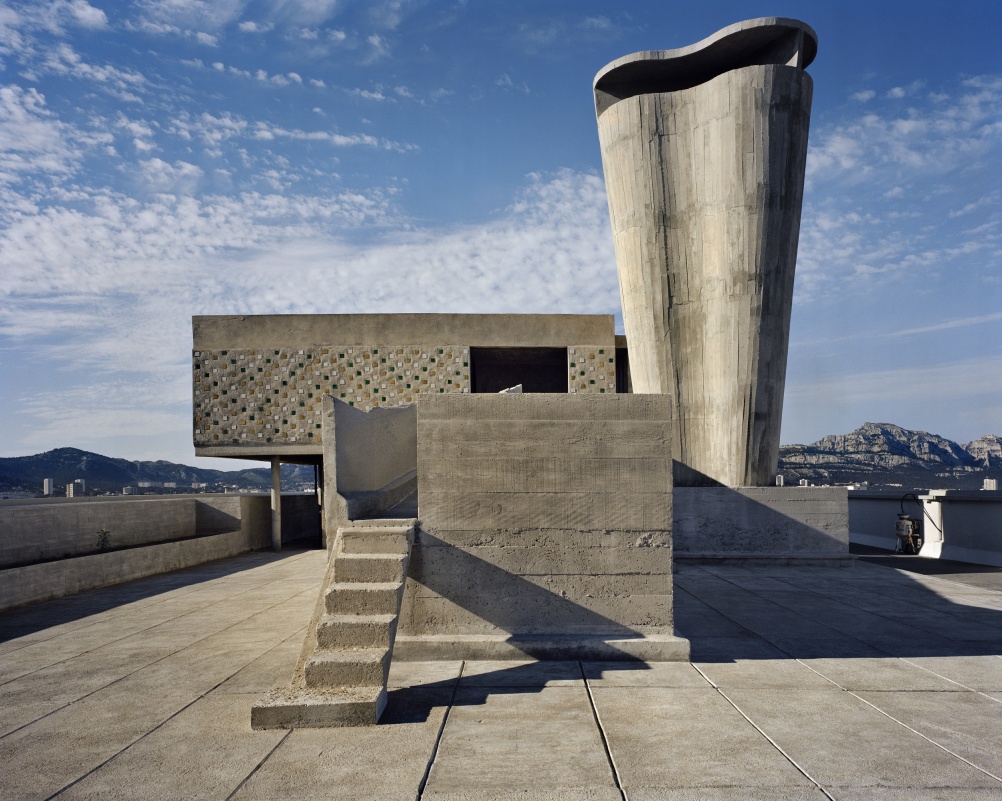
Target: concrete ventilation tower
704, 151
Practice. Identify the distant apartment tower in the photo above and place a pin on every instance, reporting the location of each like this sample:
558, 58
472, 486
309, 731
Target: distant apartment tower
48, 485
77, 489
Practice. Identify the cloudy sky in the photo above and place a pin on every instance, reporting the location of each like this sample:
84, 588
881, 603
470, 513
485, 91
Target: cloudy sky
165, 158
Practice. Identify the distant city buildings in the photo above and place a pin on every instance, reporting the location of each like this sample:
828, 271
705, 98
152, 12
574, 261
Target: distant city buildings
77, 489
48, 485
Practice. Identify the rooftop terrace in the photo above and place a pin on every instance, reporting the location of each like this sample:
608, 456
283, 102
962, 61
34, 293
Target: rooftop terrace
806, 683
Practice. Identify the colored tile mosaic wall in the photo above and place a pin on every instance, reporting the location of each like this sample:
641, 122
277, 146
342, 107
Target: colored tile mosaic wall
591, 369
260, 397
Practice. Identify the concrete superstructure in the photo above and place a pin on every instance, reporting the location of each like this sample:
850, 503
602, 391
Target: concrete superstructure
704, 151
258, 381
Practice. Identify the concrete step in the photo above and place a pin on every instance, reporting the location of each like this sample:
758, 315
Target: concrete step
369, 567
363, 598
298, 707
375, 539
360, 667
355, 631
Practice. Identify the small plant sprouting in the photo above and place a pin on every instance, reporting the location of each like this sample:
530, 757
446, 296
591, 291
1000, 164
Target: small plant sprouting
103, 539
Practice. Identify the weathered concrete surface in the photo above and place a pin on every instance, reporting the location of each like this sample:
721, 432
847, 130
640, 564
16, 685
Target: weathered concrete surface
704, 152
143, 690
499, 330
343, 669
369, 460
183, 531
556, 544
780, 525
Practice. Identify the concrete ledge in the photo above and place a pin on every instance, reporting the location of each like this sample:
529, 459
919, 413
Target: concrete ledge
298, 708
798, 560
767, 525
442, 647
22, 585
361, 504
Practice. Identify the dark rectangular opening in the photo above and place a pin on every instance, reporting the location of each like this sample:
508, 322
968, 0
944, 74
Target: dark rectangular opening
536, 369
623, 383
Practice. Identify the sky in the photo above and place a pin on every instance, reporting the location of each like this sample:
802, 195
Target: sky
161, 159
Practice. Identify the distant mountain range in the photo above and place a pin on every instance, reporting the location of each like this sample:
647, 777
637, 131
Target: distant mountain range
882, 454
105, 474
887, 455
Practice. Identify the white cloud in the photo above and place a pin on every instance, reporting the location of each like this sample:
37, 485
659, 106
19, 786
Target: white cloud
946, 325
32, 140
863, 96
206, 39
127, 276
123, 83
379, 48
86, 15
249, 26
368, 94
506, 83
267, 132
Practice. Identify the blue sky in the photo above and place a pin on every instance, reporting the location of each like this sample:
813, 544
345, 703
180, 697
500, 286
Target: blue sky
165, 159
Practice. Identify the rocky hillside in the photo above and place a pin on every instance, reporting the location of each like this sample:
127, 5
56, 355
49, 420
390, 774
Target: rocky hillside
888, 455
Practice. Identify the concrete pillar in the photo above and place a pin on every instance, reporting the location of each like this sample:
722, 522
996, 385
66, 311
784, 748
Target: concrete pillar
704, 151
276, 503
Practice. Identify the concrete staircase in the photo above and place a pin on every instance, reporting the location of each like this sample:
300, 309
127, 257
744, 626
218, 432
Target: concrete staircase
341, 676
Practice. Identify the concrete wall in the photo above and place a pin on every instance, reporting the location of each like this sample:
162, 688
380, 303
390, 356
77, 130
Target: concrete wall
965, 525
704, 151
971, 525
776, 525
258, 380
370, 460
212, 527
545, 528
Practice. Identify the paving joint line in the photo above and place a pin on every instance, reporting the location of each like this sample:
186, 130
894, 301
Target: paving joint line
889, 716
150, 664
182, 590
155, 625
441, 732
602, 735
771, 741
142, 736
259, 765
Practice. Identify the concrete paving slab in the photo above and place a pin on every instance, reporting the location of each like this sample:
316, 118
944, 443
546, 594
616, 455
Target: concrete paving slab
643, 674
967, 723
727, 649
528, 794
742, 793
430, 675
675, 738
888, 674
272, 668
936, 793
983, 673
521, 674
206, 751
370, 763
839, 740
539, 740
762, 674
43, 758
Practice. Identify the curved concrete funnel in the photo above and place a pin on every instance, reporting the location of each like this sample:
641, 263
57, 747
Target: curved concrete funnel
704, 151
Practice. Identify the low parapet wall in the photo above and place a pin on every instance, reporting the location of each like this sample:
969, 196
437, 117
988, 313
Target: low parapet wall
775, 525
965, 525
52, 549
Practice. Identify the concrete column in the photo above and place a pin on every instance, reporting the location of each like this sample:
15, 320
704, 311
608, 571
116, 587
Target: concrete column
704, 151
276, 503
